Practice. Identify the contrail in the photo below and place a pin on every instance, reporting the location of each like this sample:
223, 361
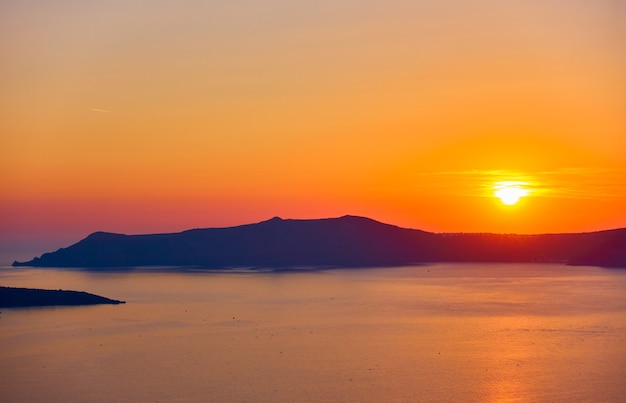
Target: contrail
99, 110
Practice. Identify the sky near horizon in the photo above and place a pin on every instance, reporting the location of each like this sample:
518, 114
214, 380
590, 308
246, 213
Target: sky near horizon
159, 116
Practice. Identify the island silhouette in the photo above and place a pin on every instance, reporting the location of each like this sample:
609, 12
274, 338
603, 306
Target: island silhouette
348, 241
11, 297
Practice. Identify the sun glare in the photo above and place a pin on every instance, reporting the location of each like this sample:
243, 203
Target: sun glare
510, 193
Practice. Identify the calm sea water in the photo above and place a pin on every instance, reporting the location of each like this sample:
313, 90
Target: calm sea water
447, 332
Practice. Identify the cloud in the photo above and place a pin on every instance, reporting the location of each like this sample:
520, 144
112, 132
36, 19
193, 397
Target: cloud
571, 182
99, 110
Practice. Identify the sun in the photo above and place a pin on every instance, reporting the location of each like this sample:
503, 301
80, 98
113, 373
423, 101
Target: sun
510, 193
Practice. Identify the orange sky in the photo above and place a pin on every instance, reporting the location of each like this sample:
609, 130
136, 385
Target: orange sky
160, 116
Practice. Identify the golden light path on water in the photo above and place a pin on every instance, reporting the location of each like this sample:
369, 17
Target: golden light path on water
446, 332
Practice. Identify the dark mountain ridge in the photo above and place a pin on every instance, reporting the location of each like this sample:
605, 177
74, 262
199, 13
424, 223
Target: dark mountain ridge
345, 241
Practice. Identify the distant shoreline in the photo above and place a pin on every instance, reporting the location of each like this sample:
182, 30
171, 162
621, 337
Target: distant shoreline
11, 297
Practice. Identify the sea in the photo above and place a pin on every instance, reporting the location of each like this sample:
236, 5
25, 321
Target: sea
431, 333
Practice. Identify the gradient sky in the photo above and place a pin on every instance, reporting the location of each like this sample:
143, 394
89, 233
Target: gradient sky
159, 116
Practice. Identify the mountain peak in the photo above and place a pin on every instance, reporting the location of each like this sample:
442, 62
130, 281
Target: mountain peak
103, 235
273, 220
349, 217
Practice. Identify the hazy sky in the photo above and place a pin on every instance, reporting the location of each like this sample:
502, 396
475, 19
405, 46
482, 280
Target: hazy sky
158, 116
